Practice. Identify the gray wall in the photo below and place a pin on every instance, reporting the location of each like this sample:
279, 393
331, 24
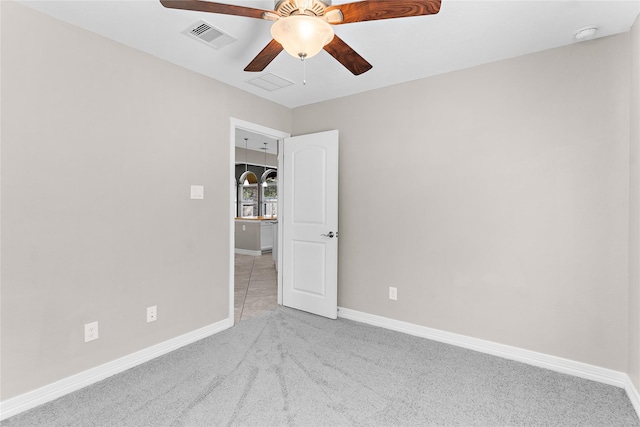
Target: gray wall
520, 212
255, 157
98, 153
502, 209
634, 216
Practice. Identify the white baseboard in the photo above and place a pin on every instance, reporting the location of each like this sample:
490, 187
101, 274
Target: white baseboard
554, 363
633, 394
15, 405
247, 252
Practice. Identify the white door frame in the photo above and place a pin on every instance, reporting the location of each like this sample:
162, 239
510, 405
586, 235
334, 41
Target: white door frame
272, 133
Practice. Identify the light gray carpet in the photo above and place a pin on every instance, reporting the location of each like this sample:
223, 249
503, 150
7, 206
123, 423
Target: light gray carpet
292, 368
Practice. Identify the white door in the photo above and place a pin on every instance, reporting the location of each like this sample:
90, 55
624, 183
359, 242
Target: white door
310, 223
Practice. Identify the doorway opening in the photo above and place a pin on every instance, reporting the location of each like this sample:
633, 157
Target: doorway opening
254, 285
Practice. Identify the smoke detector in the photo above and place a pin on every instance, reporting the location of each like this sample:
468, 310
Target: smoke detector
586, 33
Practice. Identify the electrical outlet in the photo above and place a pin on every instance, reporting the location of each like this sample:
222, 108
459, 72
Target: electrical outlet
91, 331
393, 293
152, 314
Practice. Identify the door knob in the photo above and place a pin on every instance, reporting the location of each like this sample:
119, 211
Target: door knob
330, 235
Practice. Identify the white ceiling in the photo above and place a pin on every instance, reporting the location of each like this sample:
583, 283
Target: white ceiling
462, 35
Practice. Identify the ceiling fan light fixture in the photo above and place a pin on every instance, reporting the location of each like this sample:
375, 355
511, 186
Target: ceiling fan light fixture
302, 36
303, 27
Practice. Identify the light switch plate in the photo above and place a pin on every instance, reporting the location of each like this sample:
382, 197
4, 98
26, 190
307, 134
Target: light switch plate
197, 192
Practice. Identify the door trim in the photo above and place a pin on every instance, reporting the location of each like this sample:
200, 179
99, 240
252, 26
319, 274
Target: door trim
263, 130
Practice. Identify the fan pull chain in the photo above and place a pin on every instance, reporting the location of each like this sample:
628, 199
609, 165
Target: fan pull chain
304, 68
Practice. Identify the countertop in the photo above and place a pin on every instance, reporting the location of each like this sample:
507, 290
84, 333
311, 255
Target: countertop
258, 218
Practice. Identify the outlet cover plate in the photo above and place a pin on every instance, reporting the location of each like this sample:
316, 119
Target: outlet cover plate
152, 314
91, 331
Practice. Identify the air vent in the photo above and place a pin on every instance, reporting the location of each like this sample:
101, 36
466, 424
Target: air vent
270, 82
209, 35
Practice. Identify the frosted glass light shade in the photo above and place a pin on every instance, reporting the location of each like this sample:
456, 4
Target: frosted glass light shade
301, 35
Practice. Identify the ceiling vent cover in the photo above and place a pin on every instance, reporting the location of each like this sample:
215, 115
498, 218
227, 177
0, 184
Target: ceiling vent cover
270, 82
208, 34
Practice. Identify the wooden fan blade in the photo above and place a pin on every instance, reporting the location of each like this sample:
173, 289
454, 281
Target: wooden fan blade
207, 6
348, 57
372, 10
265, 57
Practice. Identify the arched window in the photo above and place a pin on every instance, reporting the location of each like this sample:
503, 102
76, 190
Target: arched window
248, 195
269, 193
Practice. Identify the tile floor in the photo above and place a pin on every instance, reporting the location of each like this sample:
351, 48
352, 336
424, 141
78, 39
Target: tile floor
256, 288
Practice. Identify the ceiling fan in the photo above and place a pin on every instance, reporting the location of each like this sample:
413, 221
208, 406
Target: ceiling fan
304, 27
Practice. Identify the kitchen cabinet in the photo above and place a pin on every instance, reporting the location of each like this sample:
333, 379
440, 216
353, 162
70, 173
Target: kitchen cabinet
266, 235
